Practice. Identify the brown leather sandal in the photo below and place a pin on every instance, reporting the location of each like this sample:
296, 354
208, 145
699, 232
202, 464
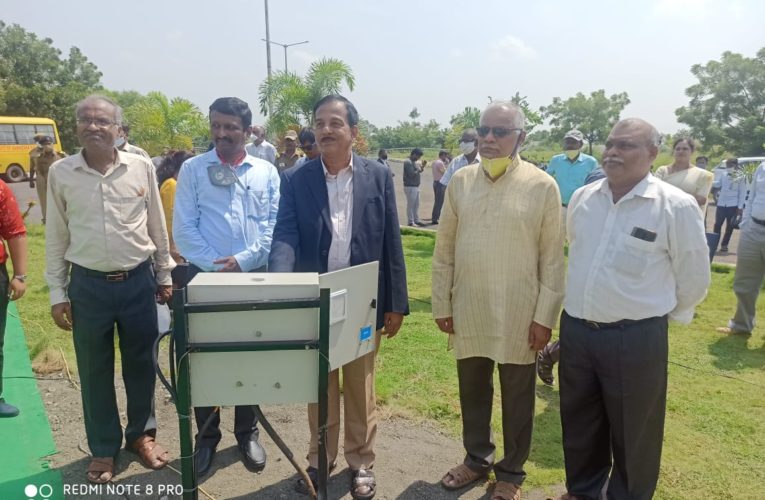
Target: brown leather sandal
461, 476
101, 470
152, 455
506, 491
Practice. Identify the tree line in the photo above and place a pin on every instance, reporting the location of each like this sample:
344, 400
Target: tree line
725, 112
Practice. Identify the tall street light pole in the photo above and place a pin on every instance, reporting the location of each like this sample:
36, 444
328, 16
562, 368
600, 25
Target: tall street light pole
285, 45
268, 39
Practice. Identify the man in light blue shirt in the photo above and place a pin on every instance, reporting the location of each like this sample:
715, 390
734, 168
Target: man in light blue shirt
223, 221
730, 200
571, 168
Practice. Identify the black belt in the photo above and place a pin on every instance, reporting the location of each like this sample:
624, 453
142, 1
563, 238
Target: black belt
758, 221
111, 275
594, 325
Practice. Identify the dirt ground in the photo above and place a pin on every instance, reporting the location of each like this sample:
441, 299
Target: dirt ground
411, 456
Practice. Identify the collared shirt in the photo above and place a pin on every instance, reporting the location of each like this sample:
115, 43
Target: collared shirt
264, 151
105, 222
643, 256
211, 222
732, 192
135, 150
11, 222
569, 175
284, 162
456, 164
340, 193
755, 206
498, 261
438, 168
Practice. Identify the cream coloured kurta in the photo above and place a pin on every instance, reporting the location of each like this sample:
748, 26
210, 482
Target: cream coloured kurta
498, 262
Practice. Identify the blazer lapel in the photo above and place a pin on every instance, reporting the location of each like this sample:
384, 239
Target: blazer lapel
360, 189
318, 187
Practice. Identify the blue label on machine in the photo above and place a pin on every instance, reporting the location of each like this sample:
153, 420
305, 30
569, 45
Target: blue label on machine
365, 333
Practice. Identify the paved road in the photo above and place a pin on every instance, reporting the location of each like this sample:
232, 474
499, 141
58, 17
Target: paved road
24, 194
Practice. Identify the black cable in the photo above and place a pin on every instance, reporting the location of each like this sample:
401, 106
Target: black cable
155, 360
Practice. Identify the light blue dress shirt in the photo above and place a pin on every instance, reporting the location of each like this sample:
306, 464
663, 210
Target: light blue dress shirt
569, 175
732, 192
456, 164
211, 222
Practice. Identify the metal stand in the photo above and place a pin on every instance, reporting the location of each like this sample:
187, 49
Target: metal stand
181, 309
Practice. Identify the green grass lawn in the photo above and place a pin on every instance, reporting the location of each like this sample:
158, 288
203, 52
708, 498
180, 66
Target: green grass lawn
714, 443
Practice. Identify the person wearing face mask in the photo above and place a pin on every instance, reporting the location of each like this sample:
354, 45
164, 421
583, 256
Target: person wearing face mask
730, 200
571, 168
123, 145
497, 289
260, 147
469, 148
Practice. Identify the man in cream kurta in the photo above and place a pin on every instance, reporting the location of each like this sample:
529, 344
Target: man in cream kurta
497, 289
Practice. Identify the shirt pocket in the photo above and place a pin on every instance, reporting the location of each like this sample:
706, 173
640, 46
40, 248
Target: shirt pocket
132, 209
257, 204
632, 256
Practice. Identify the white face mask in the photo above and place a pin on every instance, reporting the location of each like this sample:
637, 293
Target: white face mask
119, 142
467, 147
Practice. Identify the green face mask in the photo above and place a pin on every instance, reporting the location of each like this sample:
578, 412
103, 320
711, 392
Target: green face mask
496, 166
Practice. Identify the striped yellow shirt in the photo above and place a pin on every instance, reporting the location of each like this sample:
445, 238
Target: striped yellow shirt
498, 261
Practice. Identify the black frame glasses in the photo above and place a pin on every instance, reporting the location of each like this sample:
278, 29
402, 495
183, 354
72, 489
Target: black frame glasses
497, 132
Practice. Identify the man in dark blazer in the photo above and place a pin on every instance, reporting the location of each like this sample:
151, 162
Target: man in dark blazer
337, 211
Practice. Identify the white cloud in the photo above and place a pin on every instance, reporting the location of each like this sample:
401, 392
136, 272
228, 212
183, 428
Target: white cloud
509, 47
456, 53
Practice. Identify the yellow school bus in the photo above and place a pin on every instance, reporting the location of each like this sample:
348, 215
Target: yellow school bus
17, 139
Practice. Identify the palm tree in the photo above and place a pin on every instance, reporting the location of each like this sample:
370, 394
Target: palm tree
291, 98
157, 122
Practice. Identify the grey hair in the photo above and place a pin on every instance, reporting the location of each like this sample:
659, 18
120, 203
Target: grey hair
654, 137
101, 98
520, 116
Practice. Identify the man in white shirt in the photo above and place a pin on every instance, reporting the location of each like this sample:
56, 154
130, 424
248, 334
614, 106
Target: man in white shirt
731, 194
469, 148
638, 257
260, 147
750, 263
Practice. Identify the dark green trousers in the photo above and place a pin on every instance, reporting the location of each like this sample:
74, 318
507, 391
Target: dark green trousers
3, 316
476, 383
98, 306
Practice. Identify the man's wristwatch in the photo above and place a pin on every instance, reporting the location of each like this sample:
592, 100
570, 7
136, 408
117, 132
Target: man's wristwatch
20, 277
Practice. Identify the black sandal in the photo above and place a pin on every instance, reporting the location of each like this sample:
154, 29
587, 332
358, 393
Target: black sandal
363, 485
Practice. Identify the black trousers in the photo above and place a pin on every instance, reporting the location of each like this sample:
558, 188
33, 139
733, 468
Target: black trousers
476, 382
726, 215
97, 306
613, 392
245, 421
439, 191
4, 287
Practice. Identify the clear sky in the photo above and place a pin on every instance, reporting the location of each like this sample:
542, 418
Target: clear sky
439, 56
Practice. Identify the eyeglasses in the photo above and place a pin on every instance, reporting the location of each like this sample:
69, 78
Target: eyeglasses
307, 147
98, 122
497, 132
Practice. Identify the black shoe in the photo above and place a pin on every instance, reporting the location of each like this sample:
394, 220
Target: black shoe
253, 455
420, 223
435, 222
203, 457
7, 411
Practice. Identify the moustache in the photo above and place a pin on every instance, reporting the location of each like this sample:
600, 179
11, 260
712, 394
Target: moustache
223, 139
